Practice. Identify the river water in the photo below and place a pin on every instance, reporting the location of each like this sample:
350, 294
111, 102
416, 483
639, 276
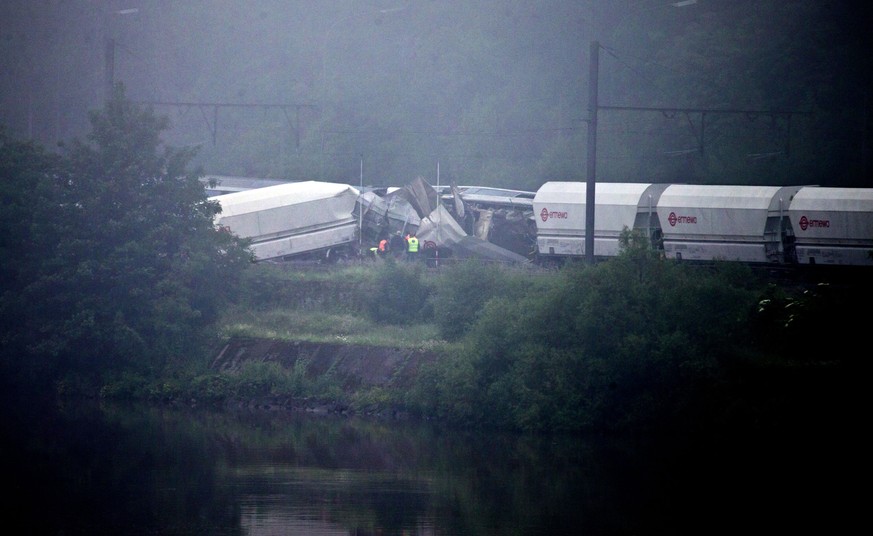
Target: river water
103, 469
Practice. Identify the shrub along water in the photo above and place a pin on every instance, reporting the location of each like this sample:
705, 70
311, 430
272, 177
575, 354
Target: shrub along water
635, 343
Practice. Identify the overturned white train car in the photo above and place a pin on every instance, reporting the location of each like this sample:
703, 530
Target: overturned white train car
293, 219
559, 209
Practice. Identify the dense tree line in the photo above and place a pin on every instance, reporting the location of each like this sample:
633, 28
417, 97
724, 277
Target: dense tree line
110, 260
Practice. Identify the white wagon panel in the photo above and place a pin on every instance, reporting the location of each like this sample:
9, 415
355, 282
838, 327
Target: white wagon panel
833, 225
560, 213
711, 222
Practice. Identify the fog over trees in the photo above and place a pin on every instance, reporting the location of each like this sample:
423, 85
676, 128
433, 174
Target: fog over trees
488, 92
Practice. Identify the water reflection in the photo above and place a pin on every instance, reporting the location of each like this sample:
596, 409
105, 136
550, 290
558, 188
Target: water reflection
360, 477
145, 470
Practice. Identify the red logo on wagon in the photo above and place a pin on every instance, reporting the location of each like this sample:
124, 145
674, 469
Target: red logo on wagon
806, 223
673, 219
545, 214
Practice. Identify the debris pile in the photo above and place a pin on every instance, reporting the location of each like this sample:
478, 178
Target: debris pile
464, 222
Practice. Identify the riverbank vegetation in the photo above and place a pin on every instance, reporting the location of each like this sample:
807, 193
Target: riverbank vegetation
634, 343
116, 284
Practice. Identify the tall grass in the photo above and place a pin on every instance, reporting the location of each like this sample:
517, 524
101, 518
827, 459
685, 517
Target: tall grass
334, 304
327, 327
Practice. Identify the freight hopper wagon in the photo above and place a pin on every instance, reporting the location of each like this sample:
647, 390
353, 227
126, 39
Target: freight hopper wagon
300, 219
833, 226
559, 211
731, 223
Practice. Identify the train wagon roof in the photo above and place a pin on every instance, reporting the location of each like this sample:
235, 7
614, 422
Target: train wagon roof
727, 197
708, 212
606, 193
495, 197
270, 197
833, 199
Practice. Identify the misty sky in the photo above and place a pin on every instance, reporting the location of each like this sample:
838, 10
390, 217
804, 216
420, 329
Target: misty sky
487, 87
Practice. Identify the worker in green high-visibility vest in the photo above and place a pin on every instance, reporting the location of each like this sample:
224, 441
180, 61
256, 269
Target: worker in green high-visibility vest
411, 247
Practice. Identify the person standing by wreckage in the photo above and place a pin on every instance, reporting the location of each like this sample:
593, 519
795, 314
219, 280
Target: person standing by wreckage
397, 245
411, 247
383, 247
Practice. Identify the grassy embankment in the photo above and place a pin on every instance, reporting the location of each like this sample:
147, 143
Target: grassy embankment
327, 304
634, 343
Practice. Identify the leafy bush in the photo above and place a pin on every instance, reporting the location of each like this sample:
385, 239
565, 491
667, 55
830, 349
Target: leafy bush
127, 386
460, 293
211, 386
267, 286
398, 295
626, 343
257, 379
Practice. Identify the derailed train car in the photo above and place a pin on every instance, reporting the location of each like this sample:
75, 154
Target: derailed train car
300, 219
322, 221
787, 225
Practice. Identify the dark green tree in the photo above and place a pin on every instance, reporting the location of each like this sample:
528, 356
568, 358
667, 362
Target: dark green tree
26, 175
125, 269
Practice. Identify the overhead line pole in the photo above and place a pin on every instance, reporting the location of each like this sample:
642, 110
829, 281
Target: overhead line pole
593, 71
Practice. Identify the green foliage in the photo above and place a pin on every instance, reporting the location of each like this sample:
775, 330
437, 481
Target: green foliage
26, 227
790, 323
398, 294
634, 343
463, 290
258, 379
373, 399
127, 386
629, 342
267, 287
119, 265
